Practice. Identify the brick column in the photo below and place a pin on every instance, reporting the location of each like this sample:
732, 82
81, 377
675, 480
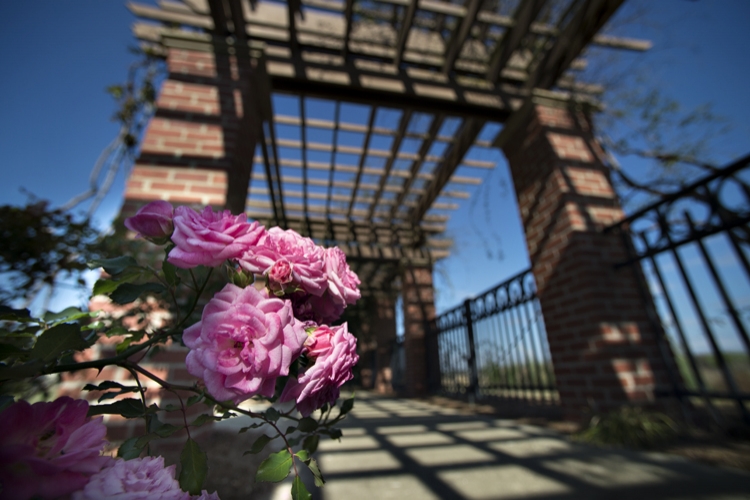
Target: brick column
376, 338
604, 348
419, 311
197, 149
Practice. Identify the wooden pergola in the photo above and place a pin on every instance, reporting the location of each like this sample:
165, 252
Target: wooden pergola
449, 65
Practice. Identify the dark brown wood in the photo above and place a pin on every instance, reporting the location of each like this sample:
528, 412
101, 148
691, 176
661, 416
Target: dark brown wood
445, 170
525, 14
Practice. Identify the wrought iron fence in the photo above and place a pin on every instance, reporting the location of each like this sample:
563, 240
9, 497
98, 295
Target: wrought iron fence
495, 346
693, 249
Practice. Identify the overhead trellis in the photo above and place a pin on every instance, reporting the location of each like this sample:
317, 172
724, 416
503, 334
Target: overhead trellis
439, 70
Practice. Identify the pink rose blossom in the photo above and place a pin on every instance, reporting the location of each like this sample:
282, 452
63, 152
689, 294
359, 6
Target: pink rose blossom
320, 383
305, 259
153, 222
140, 478
49, 450
281, 272
209, 238
244, 341
343, 284
318, 342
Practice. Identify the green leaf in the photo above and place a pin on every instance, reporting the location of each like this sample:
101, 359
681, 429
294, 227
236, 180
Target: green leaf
302, 455
65, 314
128, 292
347, 406
104, 287
58, 340
275, 468
193, 400
8, 313
129, 449
313, 466
258, 445
334, 433
128, 408
115, 266
194, 467
202, 419
253, 426
311, 443
25, 370
307, 424
289, 430
7, 350
272, 414
170, 273
299, 491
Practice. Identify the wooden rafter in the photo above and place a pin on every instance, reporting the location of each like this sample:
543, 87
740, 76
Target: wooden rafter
403, 34
525, 14
437, 122
459, 37
362, 160
445, 170
400, 134
385, 54
584, 25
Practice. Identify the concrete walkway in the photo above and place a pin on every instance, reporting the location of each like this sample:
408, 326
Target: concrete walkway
402, 449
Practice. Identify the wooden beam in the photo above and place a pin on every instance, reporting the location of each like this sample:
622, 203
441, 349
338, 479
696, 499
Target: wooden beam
403, 34
581, 29
362, 158
348, 15
444, 171
437, 122
525, 14
460, 35
218, 15
400, 134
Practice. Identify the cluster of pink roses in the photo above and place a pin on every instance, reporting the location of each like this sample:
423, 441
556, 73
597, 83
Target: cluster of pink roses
248, 338
52, 450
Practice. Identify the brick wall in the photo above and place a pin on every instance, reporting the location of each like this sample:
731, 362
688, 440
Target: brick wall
419, 310
189, 145
187, 155
376, 339
604, 348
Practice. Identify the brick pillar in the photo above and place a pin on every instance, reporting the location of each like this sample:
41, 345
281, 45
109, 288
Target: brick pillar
419, 311
377, 336
604, 348
201, 135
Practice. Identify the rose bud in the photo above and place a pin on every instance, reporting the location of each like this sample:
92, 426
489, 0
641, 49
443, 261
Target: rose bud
153, 222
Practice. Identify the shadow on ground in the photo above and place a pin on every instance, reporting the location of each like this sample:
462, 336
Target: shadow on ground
413, 450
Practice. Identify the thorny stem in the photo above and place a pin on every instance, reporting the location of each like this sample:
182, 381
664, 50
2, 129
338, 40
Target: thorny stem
143, 399
197, 297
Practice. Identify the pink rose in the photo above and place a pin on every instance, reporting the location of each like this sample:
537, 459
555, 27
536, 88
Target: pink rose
49, 450
280, 273
320, 383
140, 478
210, 238
305, 259
318, 342
323, 309
343, 284
244, 341
153, 222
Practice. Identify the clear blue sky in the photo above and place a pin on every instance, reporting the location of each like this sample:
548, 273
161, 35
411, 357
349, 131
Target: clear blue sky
58, 57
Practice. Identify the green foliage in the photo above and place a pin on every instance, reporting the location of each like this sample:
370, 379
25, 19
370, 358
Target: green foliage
275, 468
629, 426
193, 467
40, 247
36, 346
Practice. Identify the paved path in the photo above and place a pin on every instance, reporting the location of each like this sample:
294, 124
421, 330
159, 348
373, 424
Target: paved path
412, 450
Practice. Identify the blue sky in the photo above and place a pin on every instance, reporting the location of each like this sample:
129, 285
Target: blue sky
58, 57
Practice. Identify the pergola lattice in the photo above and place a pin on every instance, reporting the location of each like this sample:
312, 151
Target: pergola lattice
441, 69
